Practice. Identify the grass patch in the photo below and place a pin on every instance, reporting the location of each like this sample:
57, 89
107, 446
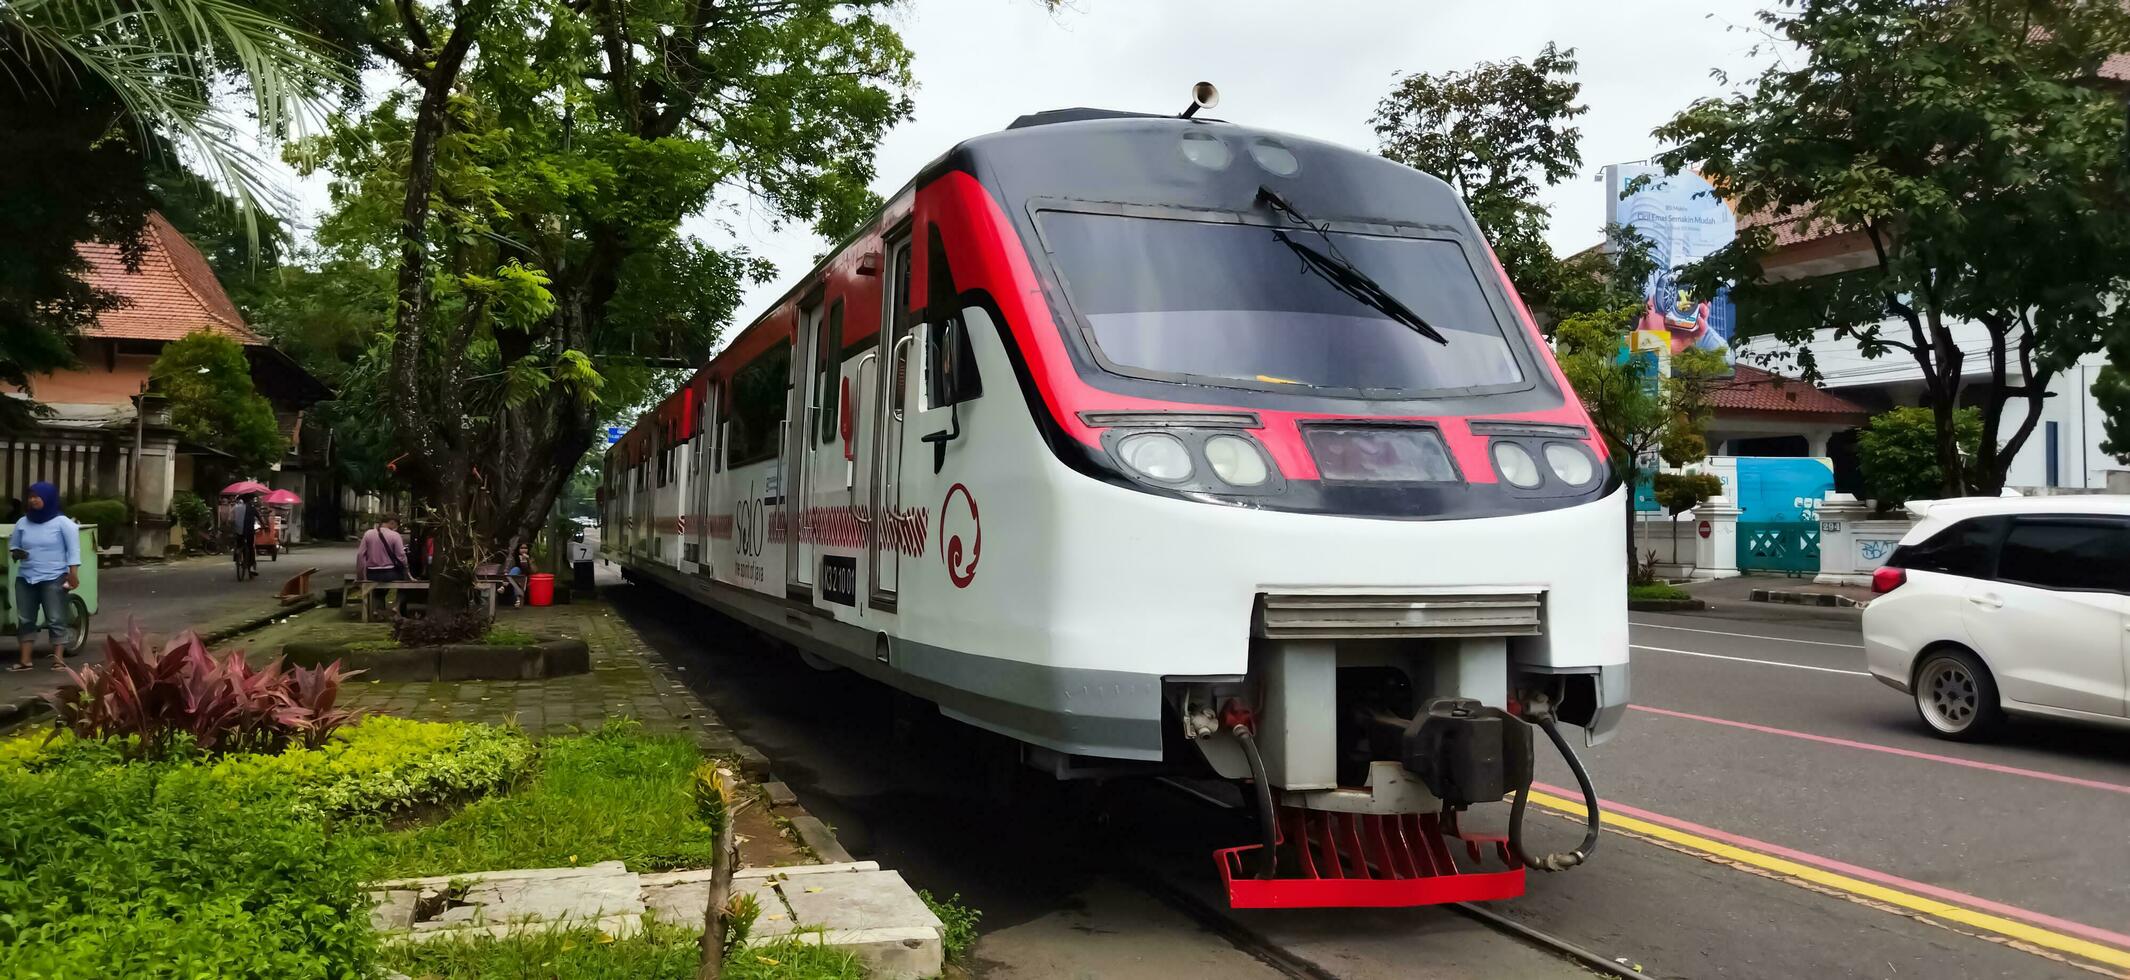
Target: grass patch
610, 795
660, 952
497, 636
1657, 590
960, 922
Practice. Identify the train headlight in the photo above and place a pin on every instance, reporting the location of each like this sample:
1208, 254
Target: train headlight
1570, 462
1236, 461
1157, 456
1515, 465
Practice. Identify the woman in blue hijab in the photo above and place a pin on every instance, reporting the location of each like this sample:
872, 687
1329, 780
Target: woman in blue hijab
46, 548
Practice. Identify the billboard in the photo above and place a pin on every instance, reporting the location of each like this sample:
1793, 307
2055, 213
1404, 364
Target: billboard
1683, 216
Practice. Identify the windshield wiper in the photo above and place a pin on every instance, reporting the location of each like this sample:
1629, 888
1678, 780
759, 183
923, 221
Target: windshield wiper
1344, 275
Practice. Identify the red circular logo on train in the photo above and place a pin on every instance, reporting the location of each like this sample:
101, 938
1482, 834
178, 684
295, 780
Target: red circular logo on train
961, 568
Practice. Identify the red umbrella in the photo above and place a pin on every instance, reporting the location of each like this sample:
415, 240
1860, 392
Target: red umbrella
242, 487
282, 498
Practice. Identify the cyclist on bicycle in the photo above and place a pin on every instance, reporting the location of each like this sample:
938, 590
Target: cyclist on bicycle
244, 519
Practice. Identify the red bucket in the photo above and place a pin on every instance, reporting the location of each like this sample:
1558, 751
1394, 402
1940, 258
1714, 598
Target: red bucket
540, 590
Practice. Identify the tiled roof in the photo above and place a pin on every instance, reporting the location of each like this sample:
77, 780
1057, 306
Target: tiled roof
1756, 390
171, 294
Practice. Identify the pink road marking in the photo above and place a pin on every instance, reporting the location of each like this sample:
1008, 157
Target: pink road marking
2095, 933
1890, 750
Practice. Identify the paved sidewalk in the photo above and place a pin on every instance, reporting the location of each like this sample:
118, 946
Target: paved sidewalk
166, 598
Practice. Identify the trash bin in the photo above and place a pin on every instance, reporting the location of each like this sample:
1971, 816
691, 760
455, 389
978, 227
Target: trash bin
540, 590
582, 579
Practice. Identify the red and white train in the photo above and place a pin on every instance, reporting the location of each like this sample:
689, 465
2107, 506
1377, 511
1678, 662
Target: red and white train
1162, 443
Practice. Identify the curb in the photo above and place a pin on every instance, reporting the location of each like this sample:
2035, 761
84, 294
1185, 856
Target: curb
1822, 599
1666, 605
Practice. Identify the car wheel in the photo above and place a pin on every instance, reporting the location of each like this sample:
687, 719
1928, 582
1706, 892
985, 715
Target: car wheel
1956, 696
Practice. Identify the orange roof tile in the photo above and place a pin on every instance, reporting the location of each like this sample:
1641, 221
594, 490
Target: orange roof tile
1757, 390
171, 294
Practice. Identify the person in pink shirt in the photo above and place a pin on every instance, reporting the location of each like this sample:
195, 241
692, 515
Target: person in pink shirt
382, 554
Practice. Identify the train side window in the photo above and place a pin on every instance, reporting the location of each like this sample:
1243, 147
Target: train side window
950, 370
758, 392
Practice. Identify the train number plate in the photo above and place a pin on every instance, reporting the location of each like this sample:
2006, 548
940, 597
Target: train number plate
839, 579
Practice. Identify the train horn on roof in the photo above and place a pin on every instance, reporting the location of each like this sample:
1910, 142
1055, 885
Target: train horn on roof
1203, 96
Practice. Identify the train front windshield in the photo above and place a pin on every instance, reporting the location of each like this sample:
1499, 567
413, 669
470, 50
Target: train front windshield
1236, 305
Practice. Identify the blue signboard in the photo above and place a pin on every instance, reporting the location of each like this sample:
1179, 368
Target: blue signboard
1782, 489
613, 434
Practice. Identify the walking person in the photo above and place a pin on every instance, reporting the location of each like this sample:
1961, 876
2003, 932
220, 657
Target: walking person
46, 546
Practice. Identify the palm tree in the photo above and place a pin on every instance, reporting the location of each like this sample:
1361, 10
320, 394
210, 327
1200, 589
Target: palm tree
166, 61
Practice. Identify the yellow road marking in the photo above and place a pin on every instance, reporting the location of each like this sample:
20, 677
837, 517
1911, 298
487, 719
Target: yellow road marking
2035, 935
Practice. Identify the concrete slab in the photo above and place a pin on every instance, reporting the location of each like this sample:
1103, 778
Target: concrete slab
678, 897
857, 900
606, 894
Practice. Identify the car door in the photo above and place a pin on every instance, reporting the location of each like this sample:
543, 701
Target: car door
2051, 620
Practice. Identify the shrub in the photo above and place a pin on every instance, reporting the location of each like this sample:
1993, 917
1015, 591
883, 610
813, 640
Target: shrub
146, 869
1685, 491
1657, 590
1898, 453
959, 933
381, 766
103, 513
189, 511
217, 705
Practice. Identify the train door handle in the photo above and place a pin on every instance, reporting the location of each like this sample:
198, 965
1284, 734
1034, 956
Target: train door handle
1987, 601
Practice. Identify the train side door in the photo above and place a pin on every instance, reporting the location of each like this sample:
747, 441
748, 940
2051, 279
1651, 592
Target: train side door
890, 535
828, 478
798, 451
705, 459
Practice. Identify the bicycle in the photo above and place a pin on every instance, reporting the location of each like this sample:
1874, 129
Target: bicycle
246, 559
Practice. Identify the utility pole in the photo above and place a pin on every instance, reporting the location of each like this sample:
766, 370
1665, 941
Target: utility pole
133, 491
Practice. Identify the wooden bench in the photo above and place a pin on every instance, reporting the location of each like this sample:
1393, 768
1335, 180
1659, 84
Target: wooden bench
361, 592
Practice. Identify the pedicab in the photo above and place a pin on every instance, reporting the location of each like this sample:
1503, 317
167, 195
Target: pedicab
81, 602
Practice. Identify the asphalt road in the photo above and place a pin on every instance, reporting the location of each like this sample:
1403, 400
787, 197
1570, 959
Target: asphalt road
1865, 847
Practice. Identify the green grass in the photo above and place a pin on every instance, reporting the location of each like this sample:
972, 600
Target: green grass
1657, 590
959, 920
657, 953
497, 636
610, 795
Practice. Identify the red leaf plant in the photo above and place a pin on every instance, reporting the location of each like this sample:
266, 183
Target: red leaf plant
223, 705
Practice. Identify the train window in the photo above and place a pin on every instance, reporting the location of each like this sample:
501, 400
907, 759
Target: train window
1241, 305
950, 374
758, 392
828, 367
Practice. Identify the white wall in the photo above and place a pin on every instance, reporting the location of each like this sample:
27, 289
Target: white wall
1895, 376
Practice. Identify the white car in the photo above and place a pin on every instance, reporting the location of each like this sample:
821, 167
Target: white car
2007, 606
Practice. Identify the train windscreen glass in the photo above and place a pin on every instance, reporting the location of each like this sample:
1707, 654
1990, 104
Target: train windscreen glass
1232, 303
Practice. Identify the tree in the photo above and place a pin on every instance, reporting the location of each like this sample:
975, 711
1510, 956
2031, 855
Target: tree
527, 178
1898, 453
1498, 133
1973, 145
2111, 388
207, 381
99, 96
1681, 492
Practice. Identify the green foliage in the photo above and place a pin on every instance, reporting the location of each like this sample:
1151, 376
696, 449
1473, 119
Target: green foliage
382, 766
1657, 590
1498, 133
609, 795
959, 934
207, 380
1972, 149
190, 512
661, 952
147, 869
1898, 452
504, 636
104, 513
2111, 388
1685, 491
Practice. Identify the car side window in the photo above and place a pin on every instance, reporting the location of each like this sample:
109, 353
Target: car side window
2072, 555
1962, 549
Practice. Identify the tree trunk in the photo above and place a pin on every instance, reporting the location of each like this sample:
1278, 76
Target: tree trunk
727, 856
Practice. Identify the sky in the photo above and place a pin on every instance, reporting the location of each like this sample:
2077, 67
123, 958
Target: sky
1316, 69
